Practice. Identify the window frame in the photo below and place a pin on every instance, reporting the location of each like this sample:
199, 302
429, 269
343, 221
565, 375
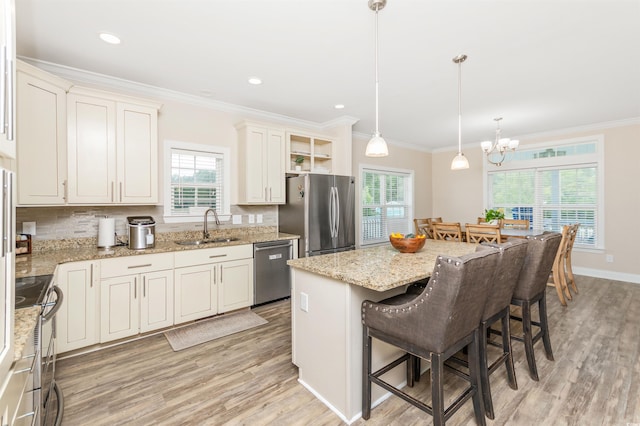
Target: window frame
560, 163
410, 205
169, 146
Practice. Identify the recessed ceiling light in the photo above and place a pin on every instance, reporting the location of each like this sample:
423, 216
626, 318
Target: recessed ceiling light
255, 81
110, 38
338, 106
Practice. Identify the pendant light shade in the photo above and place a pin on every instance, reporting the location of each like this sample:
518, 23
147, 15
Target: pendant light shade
377, 147
460, 162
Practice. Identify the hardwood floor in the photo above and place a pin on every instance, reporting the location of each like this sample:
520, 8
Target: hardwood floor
248, 378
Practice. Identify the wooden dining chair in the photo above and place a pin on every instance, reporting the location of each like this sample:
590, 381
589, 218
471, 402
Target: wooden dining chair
450, 231
515, 223
561, 273
421, 226
484, 233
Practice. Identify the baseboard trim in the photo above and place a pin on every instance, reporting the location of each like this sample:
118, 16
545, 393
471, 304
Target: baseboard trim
610, 275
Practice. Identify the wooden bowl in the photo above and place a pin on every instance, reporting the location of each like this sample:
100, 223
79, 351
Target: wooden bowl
407, 245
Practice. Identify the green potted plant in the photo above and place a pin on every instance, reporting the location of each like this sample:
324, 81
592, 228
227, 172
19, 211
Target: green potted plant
299, 160
493, 216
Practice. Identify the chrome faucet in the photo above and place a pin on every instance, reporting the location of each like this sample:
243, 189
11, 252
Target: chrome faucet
205, 232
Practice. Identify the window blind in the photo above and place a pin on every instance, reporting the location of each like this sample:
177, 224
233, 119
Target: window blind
196, 182
386, 204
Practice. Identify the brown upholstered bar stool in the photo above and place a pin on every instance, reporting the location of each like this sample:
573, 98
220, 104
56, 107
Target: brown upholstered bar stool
530, 290
496, 308
451, 305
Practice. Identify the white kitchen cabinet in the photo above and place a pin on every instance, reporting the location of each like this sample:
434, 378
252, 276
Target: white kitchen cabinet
261, 158
8, 73
112, 149
212, 281
42, 148
141, 300
78, 318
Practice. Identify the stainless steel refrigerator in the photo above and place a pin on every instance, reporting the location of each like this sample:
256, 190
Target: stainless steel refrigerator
321, 209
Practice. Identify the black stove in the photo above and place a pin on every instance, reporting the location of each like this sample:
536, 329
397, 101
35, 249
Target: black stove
31, 291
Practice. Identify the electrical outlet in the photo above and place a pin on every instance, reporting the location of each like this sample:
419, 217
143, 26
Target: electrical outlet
252, 218
237, 219
259, 218
304, 302
609, 258
29, 228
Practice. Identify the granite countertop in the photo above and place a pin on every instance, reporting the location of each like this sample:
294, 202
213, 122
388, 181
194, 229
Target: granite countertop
381, 268
45, 261
24, 323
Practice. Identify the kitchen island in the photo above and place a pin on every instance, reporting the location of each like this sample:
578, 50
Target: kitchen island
326, 297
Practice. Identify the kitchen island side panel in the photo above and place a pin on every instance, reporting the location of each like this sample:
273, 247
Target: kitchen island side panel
327, 341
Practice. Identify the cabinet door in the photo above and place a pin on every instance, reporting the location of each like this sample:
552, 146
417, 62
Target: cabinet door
156, 304
8, 71
42, 151
256, 189
77, 321
137, 152
119, 308
195, 293
91, 150
235, 285
275, 167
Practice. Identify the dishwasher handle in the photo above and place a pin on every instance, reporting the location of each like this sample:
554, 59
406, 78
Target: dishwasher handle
257, 247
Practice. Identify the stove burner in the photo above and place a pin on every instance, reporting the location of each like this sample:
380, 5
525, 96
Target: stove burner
31, 291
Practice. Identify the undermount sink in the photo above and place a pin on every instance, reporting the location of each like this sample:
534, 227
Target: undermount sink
209, 241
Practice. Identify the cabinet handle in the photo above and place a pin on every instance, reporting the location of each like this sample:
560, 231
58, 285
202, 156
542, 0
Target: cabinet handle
265, 194
120, 191
11, 111
215, 275
217, 255
221, 280
270, 193
3, 90
139, 266
91, 279
144, 286
112, 190
65, 192
135, 287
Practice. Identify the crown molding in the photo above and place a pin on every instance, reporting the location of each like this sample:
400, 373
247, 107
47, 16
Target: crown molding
114, 83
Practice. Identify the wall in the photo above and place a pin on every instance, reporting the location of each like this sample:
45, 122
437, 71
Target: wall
459, 196
400, 158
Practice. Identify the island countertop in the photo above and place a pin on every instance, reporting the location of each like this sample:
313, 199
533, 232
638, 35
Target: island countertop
381, 268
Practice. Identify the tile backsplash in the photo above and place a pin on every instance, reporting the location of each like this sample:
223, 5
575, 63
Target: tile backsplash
57, 223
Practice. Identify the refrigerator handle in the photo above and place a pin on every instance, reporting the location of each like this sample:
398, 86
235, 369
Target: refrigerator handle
337, 219
331, 218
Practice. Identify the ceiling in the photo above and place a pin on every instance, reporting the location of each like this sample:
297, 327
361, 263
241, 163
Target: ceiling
542, 65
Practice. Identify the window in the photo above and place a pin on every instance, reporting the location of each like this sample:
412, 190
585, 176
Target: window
386, 203
196, 179
553, 185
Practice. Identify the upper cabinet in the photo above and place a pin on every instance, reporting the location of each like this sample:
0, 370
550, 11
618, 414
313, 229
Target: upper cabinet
8, 79
306, 153
261, 158
41, 148
112, 149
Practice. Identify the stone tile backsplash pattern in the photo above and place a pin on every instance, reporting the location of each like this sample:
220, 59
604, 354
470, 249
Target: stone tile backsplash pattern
57, 223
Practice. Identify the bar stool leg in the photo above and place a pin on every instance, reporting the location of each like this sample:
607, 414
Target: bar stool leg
544, 325
528, 340
366, 372
474, 377
506, 346
437, 389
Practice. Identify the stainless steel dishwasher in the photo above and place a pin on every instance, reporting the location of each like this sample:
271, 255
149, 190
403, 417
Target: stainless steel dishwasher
271, 276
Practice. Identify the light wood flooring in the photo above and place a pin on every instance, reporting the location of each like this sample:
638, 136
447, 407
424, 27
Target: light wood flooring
248, 378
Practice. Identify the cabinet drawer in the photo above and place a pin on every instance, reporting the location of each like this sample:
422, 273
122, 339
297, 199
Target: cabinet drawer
211, 255
141, 264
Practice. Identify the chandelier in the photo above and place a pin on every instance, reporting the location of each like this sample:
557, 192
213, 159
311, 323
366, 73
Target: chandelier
377, 147
497, 150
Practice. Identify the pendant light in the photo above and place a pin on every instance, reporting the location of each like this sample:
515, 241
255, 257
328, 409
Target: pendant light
460, 162
377, 147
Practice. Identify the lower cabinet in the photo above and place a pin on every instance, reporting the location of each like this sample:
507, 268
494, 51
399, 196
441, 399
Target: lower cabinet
212, 281
78, 320
133, 304
136, 295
